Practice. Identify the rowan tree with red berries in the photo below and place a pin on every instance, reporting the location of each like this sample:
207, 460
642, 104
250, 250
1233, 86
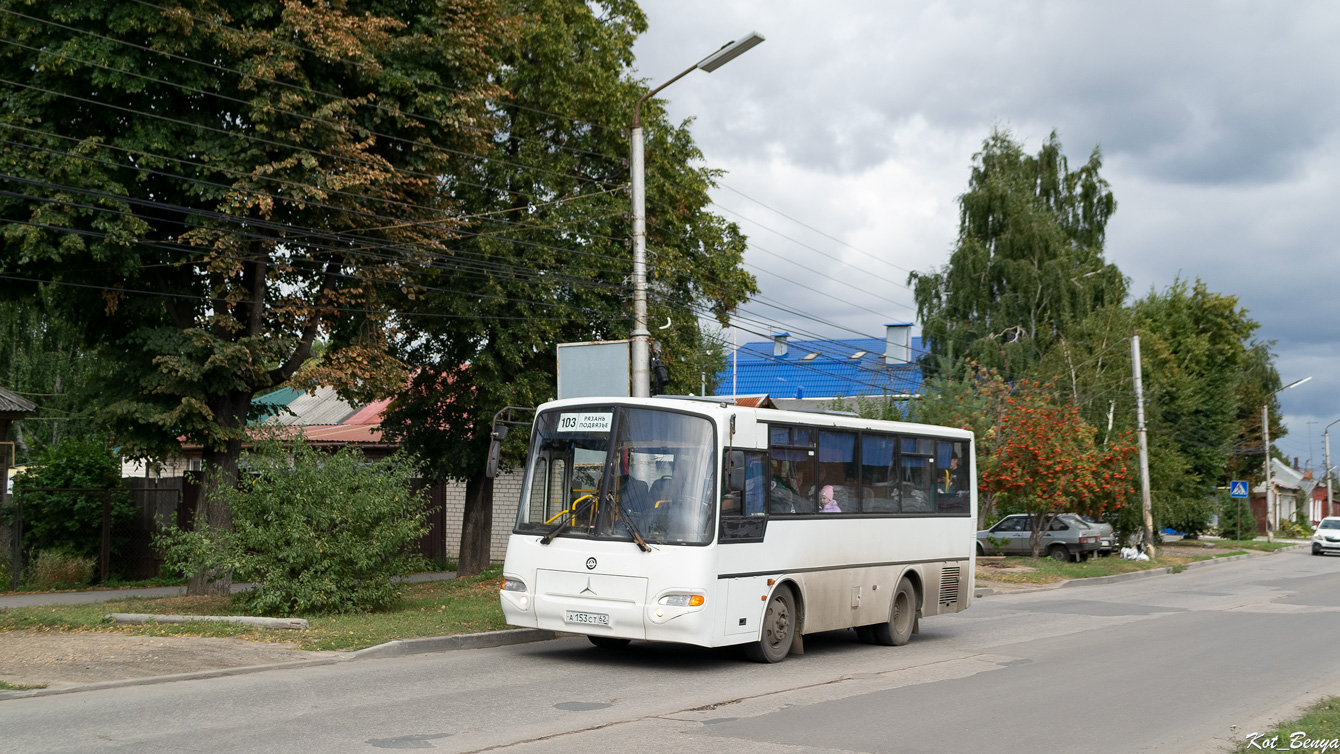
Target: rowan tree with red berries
1046, 461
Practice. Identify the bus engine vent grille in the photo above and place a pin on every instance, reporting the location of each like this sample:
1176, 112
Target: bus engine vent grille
949, 578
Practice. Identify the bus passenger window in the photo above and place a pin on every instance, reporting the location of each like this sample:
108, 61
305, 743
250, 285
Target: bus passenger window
837, 470
951, 483
787, 486
879, 475
916, 473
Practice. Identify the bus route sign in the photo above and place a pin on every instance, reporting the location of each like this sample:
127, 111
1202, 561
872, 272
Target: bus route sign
584, 422
1237, 488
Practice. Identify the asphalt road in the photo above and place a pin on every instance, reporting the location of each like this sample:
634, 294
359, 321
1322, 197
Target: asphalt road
1179, 663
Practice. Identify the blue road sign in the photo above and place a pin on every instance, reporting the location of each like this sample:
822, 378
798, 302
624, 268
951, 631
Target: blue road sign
1237, 489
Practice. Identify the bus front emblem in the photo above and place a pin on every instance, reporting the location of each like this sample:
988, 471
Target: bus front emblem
590, 564
588, 588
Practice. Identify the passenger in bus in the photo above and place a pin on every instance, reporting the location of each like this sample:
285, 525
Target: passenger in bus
826, 500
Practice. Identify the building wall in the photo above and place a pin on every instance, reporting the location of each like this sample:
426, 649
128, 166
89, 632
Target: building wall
506, 500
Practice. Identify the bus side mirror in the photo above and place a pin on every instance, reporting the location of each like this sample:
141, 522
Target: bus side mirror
495, 452
737, 471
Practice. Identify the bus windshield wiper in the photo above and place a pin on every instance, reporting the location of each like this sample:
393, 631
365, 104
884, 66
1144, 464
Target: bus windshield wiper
628, 523
549, 537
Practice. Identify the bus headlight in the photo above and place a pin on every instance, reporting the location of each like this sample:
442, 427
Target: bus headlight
683, 600
517, 596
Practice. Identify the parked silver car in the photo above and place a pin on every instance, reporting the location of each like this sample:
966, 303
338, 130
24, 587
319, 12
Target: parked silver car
1068, 538
1106, 539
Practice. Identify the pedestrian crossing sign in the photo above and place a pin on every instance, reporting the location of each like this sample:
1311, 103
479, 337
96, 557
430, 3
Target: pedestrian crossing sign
1237, 489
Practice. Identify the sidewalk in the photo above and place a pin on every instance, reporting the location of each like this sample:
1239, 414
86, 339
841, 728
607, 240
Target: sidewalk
89, 596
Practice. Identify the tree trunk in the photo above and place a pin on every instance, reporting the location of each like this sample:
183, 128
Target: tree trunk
220, 473
476, 526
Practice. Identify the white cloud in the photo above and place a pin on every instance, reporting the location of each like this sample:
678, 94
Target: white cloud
1218, 124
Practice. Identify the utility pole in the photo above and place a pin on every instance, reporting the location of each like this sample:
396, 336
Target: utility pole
1326, 436
1144, 447
1271, 523
1328, 475
640, 360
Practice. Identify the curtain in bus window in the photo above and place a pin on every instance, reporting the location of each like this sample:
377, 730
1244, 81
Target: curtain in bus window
753, 484
952, 495
879, 477
792, 473
838, 474
915, 477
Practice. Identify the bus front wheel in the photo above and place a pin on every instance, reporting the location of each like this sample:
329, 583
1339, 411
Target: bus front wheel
902, 618
779, 629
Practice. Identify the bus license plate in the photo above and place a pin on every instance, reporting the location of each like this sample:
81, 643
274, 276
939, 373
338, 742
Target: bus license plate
589, 619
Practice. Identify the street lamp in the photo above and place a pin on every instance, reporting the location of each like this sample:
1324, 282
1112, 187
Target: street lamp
641, 362
1326, 437
1272, 515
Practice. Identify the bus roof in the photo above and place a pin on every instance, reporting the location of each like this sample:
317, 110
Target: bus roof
722, 408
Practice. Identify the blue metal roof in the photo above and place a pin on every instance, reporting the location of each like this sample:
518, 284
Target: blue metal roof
835, 369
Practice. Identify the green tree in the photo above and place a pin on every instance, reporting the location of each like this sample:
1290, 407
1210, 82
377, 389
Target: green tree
553, 227
1194, 344
43, 359
215, 184
71, 522
1028, 262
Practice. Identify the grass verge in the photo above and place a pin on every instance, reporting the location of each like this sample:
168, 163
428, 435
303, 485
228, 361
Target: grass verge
1317, 730
1026, 570
435, 608
1231, 544
7, 686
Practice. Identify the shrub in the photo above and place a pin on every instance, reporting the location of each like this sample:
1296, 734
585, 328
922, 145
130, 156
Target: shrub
72, 521
1229, 518
1293, 530
56, 569
1188, 515
319, 533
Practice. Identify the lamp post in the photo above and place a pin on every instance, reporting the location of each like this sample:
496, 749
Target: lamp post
1326, 438
641, 362
1272, 515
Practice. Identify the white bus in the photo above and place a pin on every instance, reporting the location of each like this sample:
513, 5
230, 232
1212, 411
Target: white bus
712, 524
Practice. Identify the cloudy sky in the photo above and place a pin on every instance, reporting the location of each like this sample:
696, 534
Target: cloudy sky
848, 135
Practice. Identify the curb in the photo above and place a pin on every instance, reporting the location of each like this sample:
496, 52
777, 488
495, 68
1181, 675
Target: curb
1119, 577
395, 648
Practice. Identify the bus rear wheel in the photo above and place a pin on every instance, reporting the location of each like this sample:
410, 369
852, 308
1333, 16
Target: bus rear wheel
779, 629
902, 618
608, 642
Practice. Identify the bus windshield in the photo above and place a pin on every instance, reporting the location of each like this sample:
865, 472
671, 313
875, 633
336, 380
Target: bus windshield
654, 470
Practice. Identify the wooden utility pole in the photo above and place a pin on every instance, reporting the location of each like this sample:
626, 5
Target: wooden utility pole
1144, 447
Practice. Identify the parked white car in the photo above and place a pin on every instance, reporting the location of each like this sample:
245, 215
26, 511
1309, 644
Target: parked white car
1327, 537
